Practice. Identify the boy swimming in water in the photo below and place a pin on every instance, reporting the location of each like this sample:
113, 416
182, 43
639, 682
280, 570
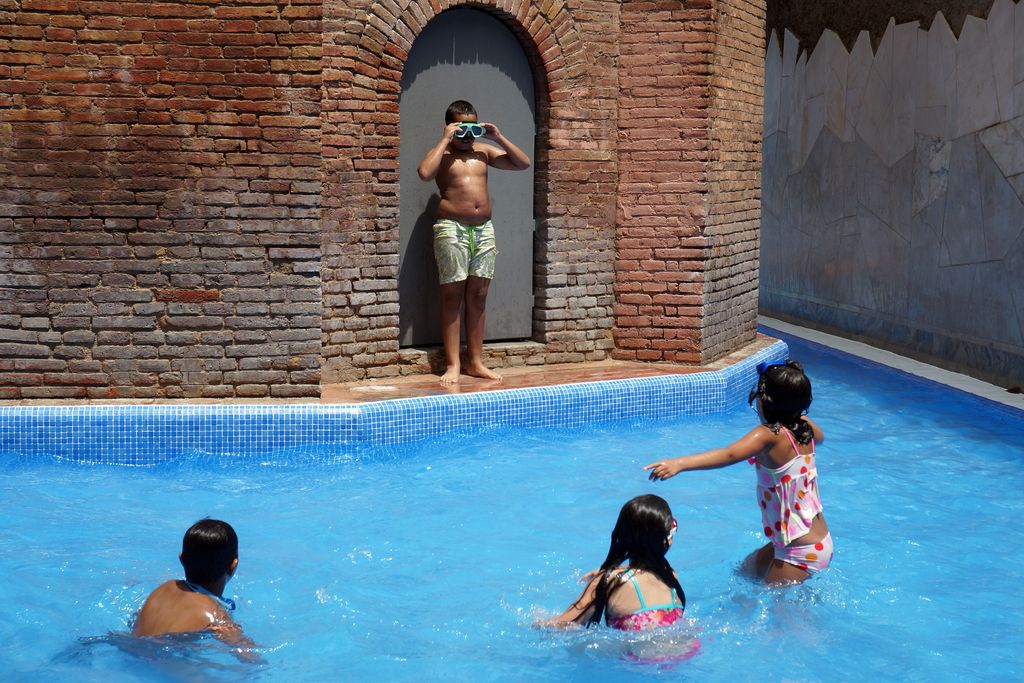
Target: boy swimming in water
464, 244
209, 555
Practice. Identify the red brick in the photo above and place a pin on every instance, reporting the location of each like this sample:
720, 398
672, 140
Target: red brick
186, 295
218, 143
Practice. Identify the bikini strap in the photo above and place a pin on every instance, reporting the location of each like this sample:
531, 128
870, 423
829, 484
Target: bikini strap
631, 574
789, 435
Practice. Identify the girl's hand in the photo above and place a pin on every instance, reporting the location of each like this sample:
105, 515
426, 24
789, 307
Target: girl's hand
589, 576
663, 469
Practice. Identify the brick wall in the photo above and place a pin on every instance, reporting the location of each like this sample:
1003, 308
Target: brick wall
159, 199
663, 143
689, 153
734, 178
572, 48
201, 200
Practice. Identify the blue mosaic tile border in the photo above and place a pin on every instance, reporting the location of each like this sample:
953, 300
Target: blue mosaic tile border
154, 434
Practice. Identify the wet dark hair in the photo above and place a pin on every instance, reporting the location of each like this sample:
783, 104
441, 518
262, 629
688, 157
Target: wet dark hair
785, 394
207, 550
458, 108
640, 536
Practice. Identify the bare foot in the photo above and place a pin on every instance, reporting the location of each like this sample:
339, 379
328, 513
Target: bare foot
450, 376
478, 370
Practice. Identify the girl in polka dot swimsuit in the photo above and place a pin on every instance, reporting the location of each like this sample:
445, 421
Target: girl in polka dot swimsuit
782, 450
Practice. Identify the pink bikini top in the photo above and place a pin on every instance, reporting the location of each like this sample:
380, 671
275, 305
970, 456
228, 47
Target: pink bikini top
788, 496
648, 616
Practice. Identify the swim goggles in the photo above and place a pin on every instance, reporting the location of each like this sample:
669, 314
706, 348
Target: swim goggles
469, 130
672, 531
226, 603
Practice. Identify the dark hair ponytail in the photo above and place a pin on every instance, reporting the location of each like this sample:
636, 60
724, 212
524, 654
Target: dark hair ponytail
641, 536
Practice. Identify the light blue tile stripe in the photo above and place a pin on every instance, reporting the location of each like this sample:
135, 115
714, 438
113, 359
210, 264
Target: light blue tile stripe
152, 434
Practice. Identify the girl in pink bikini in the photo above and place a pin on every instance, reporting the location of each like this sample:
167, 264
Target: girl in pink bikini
782, 449
635, 589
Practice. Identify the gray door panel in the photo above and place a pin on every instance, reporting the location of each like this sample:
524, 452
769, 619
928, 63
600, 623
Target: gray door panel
466, 54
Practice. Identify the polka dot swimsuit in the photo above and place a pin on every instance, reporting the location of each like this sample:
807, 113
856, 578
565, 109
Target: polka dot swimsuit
788, 496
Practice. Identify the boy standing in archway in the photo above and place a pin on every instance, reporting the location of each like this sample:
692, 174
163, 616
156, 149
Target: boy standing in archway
464, 244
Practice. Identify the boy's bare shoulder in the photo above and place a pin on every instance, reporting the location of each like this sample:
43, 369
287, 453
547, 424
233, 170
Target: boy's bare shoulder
166, 590
173, 609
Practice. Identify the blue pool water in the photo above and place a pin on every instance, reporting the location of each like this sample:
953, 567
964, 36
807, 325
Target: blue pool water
430, 561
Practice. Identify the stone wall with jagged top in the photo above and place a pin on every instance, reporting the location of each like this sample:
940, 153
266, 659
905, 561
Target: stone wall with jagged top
893, 189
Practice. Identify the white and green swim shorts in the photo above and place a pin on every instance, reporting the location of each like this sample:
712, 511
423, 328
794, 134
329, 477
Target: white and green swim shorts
462, 250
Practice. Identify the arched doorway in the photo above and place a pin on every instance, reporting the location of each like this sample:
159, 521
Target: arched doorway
470, 55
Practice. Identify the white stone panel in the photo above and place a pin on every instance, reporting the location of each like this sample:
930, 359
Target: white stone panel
817, 68
931, 171
961, 235
815, 86
812, 217
831, 163
977, 106
774, 170
1001, 31
989, 292
904, 47
787, 92
1005, 143
901, 197
772, 85
957, 284
857, 76
874, 185
814, 116
890, 184
1013, 266
882, 267
1018, 59
772, 254
1017, 183
826, 252
838, 65
1001, 208
927, 298
790, 52
793, 246
921, 67
875, 122
935, 91
796, 127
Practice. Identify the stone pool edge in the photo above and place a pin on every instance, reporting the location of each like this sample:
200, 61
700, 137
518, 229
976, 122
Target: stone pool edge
151, 434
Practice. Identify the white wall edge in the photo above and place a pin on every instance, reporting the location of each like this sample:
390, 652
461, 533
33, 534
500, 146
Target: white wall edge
894, 360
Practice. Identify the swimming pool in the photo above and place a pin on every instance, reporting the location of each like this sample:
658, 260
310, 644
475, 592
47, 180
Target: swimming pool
429, 560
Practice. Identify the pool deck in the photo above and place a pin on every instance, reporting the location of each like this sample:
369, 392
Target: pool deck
965, 383
525, 377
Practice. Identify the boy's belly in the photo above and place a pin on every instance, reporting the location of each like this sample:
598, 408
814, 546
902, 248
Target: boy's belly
468, 212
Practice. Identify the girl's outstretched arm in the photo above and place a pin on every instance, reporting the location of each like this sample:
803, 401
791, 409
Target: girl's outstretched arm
749, 446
